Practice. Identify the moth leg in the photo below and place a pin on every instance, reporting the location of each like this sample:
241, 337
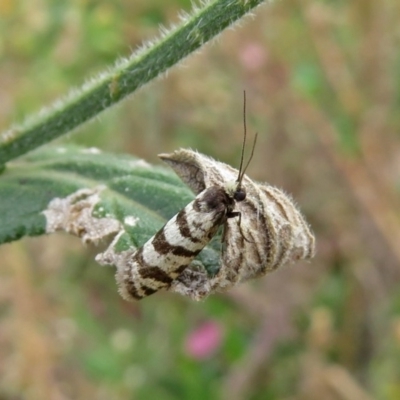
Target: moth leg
234, 214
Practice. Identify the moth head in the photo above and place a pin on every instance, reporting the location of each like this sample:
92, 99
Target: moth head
235, 190
240, 193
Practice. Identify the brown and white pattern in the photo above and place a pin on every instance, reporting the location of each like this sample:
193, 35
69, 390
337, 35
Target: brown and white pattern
271, 232
168, 253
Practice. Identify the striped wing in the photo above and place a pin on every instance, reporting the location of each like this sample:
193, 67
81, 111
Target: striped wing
169, 252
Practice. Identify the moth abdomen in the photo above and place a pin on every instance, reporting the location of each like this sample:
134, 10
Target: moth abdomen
166, 255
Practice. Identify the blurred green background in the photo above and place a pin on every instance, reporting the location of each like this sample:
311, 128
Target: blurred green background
323, 89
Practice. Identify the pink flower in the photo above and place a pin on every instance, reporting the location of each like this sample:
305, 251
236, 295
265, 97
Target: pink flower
204, 340
253, 56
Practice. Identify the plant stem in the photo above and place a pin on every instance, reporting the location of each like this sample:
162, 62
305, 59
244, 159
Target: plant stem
124, 78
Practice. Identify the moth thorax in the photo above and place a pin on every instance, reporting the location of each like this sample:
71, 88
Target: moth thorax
235, 190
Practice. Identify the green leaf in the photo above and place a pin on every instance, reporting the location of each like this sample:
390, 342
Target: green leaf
129, 189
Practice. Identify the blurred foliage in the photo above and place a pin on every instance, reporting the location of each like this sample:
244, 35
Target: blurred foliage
323, 87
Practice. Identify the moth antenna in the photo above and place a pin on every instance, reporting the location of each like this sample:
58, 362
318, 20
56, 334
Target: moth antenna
242, 172
248, 162
244, 136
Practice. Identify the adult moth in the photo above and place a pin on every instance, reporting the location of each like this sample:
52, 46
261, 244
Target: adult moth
272, 231
262, 229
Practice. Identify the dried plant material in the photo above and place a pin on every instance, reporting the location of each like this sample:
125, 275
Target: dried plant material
74, 214
263, 229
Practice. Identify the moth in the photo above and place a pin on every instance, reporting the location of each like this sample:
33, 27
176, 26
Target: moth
262, 229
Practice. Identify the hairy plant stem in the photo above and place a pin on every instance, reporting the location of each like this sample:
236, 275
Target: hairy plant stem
124, 78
